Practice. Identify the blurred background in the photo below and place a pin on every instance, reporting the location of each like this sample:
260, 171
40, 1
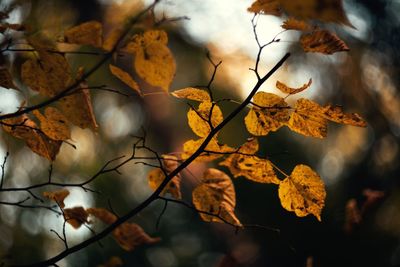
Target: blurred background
360, 166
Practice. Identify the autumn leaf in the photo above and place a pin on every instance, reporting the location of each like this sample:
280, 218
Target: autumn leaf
216, 195
269, 114
87, 33
213, 150
112, 38
303, 192
267, 7
156, 177
57, 196
54, 124
102, 214
125, 78
200, 120
245, 163
336, 114
296, 24
192, 94
289, 90
140, 41
75, 216
131, 235
6, 79
322, 41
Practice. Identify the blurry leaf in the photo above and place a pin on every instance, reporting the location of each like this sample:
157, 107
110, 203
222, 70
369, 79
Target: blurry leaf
156, 177
57, 196
303, 192
267, 7
102, 214
125, 77
6, 79
216, 195
199, 121
270, 114
352, 215
112, 38
87, 33
307, 119
189, 147
288, 90
54, 124
78, 109
251, 167
335, 113
322, 41
75, 216
131, 235
141, 41
295, 24
112, 262
192, 94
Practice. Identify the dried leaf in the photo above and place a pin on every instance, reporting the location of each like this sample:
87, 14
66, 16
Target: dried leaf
87, 33
336, 114
54, 124
270, 114
267, 7
102, 214
213, 150
322, 41
57, 196
192, 94
249, 166
75, 216
199, 120
6, 79
303, 192
125, 78
307, 119
216, 195
112, 262
296, 24
131, 235
289, 90
156, 177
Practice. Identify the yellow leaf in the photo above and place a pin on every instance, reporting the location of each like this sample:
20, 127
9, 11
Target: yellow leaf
102, 214
6, 79
303, 192
295, 24
156, 65
87, 33
192, 94
307, 119
200, 120
141, 41
54, 124
270, 113
125, 77
131, 235
75, 216
57, 196
289, 90
216, 195
322, 41
336, 114
156, 177
213, 150
112, 38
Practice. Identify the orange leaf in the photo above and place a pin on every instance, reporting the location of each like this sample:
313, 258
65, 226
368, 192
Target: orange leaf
199, 120
87, 33
295, 24
322, 41
131, 235
192, 94
289, 90
57, 196
54, 124
125, 78
102, 214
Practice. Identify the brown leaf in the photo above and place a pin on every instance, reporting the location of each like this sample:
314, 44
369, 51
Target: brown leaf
322, 41
54, 124
75, 216
352, 216
102, 214
199, 120
131, 235
216, 195
303, 192
289, 90
192, 94
296, 24
267, 7
87, 33
270, 114
125, 78
6, 79
57, 196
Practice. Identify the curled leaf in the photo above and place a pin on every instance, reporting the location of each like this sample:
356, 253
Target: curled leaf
192, 94
289, 90
216, 195
303, 192
57, 196
322, 41
200, 120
